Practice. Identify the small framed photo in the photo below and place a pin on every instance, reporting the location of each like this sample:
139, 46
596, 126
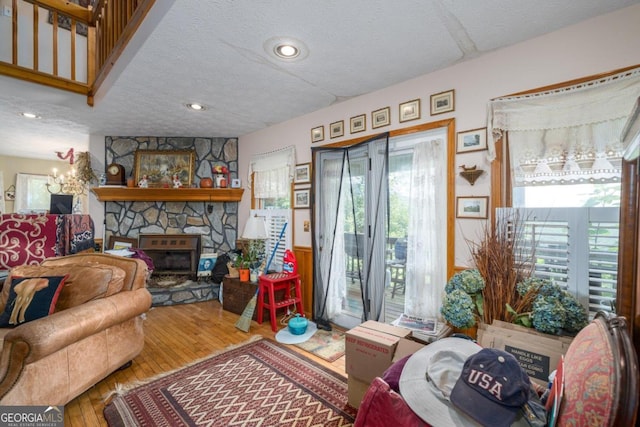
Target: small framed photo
119, 242
302, 174
317, 134
410, 110
336, 129
302, 199
358, 123
471, 140
206, 263
442, 102
236, 183
472, 207
381, 117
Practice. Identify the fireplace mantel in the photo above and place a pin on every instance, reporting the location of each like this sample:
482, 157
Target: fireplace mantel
125, 194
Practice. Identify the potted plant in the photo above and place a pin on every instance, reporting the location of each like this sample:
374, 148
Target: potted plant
502, 288
243, 264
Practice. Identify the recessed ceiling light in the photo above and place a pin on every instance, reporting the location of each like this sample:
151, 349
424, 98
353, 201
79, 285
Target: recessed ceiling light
196, 107
30, 115
285, 49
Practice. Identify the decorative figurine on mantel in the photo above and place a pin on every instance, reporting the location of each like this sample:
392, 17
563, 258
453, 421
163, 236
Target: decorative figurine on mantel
144, 182
176, 181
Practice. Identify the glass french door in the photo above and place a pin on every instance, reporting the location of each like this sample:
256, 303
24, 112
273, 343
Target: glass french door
369, 262
349, 202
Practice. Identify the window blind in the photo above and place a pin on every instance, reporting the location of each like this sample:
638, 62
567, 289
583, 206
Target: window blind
577, 248
275, 219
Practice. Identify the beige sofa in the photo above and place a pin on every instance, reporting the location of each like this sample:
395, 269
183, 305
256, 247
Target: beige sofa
96, 328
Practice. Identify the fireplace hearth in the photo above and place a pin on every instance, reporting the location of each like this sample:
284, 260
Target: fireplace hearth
172, 253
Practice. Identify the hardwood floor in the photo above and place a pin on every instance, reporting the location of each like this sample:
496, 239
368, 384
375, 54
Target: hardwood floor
174, 336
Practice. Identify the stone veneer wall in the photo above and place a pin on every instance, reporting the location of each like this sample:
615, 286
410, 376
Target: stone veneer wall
218, 227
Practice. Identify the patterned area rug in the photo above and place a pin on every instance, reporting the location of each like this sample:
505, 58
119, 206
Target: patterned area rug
328, 345
261, 383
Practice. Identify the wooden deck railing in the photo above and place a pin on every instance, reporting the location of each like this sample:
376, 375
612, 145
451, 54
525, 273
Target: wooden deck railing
105, 28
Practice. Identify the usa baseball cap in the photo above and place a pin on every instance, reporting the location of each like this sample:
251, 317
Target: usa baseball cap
492, 388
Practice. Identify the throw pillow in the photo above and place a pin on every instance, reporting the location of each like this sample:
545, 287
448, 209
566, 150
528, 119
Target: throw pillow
85, 282
31, 298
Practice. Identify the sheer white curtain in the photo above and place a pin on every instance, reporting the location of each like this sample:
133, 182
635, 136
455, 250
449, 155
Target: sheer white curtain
426, 269
273, 172
567, 135
332, 257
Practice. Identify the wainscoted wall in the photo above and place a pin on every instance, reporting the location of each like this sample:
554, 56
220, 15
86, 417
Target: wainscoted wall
304, 257
216, 222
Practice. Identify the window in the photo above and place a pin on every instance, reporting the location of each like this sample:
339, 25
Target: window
31, 193
271, 176
563, 173
577, 248
275, 220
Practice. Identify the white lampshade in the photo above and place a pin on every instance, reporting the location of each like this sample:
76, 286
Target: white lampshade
255, 228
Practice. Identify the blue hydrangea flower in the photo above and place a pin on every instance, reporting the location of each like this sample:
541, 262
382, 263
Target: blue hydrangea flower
548, 315
530, 283
469, 281
576, 315
458, 309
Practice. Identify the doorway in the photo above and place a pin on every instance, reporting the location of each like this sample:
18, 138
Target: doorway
372, 260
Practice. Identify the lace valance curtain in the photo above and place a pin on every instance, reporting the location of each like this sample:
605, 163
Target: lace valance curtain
273, 173
568, 135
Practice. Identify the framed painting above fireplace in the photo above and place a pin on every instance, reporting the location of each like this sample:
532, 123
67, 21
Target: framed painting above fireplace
161, 167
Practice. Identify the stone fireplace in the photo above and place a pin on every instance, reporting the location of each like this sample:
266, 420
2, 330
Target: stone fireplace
214, 223
172, 253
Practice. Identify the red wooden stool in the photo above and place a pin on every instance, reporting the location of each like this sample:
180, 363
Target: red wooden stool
268, 284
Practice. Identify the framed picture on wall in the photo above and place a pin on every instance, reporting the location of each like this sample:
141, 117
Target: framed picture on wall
381, 117
471, 140
442, 102
472, 207
358, 123
302, 198
336, 129
317, 134
302, 173
410, 110
161, 167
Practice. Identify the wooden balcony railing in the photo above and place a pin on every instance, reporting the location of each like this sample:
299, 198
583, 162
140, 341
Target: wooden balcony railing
67, 46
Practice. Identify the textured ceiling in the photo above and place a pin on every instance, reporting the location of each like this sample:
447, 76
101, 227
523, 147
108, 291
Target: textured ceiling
212, 52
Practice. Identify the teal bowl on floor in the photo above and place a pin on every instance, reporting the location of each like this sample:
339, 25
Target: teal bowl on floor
298, 325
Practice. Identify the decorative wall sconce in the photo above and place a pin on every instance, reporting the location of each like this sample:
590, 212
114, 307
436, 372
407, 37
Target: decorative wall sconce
471, 174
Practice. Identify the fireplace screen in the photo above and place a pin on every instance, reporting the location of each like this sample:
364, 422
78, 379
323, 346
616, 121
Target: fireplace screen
172, 253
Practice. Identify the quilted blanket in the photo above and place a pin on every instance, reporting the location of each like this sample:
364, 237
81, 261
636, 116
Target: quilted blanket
29, 238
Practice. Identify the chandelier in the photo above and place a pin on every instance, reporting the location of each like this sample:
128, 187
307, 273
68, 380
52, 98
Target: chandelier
65, 184
71, 183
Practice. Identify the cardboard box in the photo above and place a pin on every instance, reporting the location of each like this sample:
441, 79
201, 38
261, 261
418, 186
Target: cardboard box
537, 353
369, 349
406, 347
357, 390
